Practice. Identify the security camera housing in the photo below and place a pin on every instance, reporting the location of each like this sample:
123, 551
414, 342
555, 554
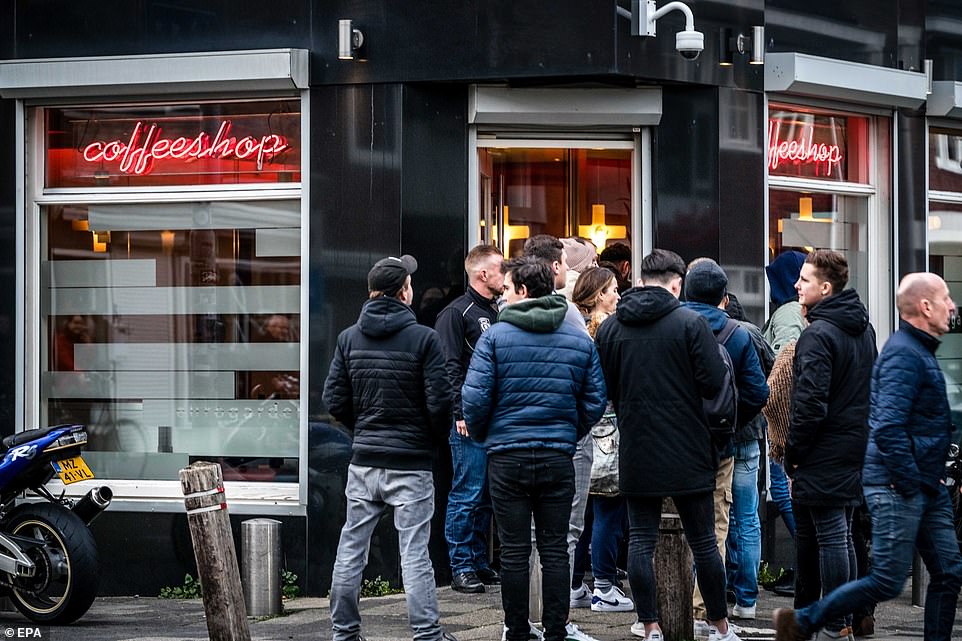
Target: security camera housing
690, 43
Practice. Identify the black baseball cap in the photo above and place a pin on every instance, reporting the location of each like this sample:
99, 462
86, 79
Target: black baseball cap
388, 274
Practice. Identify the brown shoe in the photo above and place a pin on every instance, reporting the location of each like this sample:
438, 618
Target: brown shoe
786, 626
864, 627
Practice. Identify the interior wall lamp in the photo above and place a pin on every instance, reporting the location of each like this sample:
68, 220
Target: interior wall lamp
644, 14
729, 45
349, 40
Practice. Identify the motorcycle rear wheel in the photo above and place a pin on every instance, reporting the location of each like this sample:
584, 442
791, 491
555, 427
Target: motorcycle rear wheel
67, 575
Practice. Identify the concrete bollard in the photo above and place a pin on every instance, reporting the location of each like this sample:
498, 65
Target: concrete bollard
261, 566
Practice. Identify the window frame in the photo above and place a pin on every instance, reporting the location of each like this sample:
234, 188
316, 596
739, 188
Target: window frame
877, 191
245, 497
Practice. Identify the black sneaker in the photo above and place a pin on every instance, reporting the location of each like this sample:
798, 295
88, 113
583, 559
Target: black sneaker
467, 582
488, 576
447, 636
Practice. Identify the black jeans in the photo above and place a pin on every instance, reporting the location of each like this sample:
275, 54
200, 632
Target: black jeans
698, 520
522, 484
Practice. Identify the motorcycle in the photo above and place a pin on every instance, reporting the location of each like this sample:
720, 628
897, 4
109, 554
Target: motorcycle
48, 556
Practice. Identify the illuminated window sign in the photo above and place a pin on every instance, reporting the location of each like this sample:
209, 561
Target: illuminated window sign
198, 144
814, 145
803, 151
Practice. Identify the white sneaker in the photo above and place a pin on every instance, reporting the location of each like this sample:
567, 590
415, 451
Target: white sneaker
580, 598
731, 635
638, 629
743, 611
534, 634
614, 600
574, 633
702, 629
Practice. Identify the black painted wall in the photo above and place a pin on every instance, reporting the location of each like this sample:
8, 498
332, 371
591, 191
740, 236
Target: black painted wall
686, 173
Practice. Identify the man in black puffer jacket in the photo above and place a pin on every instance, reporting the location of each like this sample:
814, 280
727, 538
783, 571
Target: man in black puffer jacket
388, 384
828, 425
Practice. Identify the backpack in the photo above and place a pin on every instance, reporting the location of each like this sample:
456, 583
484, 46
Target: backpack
721, 411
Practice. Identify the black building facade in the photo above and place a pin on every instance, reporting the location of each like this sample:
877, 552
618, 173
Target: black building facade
191, 197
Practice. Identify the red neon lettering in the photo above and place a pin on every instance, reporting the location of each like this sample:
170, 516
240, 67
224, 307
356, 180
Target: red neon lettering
145, 145
801, 152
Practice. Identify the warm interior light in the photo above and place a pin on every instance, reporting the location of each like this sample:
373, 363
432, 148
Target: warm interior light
80, 225
100, 241
935, 222
512, 232
805, 208
598, 232
167, 241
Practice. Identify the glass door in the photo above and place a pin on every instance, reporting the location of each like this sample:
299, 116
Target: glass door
562, 188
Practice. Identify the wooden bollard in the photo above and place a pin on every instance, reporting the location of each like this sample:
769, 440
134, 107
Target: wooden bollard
673, 563
203, 486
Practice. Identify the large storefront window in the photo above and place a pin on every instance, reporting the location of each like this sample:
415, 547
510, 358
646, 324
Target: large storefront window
170, 322
557, 190
822, 190
945, 247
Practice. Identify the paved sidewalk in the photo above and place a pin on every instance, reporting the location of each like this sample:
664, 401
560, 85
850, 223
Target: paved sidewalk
469, 617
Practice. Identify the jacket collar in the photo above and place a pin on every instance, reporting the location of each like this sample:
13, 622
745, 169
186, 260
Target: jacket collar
480, 299
928, 341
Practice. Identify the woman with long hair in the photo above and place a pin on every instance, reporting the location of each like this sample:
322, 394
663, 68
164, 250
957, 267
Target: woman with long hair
596, 295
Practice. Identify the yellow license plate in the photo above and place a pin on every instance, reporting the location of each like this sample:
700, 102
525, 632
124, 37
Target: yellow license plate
71, 470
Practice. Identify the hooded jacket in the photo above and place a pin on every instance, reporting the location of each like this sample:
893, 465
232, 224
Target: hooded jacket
750, 378
830, 403
660, 360
910, 422
534, 381
387, 383
786, 321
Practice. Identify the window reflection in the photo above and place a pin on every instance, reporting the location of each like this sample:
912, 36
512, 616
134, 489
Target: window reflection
557, 191
805, 221
173, 332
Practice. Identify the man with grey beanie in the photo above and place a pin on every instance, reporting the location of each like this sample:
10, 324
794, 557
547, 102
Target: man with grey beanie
388, 385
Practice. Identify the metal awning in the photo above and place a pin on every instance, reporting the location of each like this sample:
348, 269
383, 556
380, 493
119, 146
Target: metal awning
176, 73
802, 74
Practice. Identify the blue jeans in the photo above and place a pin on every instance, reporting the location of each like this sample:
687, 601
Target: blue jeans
369, 491
899, 525
605, 530
824, 533
745, 529
698, 521
538, 484
778, 490
468, 515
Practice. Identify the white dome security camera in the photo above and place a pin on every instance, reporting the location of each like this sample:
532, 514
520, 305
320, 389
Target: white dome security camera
689, 43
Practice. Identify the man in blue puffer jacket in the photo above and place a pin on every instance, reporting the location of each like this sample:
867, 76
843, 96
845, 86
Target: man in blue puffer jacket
533, 389
904, 473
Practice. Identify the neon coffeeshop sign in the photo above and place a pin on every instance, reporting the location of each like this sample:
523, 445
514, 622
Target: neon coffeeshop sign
801, 150
147, 144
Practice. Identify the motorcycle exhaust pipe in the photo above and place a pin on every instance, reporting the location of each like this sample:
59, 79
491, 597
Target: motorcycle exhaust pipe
93, 503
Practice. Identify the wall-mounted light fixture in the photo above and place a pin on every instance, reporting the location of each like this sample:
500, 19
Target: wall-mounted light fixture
644, 14
729, 45
349, 40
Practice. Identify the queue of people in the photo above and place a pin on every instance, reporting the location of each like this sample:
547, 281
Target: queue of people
609, 400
